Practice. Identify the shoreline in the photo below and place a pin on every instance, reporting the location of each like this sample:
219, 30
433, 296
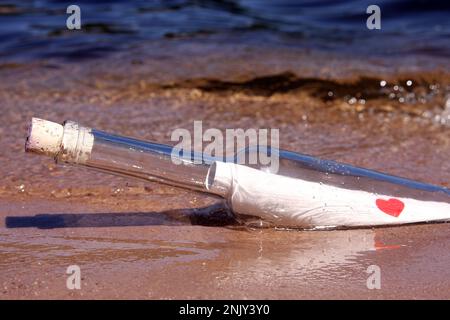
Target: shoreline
137, 240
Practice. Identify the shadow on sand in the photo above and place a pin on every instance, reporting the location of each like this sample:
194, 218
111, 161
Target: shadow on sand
214, 215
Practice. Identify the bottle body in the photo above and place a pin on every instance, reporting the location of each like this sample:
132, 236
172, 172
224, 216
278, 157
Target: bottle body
329, 172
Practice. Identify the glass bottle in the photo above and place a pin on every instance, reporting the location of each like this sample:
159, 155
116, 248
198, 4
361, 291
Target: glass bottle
305, 191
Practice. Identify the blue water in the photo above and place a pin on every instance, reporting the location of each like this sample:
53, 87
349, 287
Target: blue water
37, 29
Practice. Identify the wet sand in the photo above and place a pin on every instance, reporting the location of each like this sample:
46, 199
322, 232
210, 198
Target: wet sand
135, 239
160, 259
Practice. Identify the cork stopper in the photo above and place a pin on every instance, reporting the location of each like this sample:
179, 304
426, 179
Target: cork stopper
44, 137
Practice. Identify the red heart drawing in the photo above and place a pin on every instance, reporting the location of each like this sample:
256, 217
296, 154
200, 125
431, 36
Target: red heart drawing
392, 207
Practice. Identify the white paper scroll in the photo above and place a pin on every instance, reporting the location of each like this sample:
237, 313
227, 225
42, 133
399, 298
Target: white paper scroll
294, 202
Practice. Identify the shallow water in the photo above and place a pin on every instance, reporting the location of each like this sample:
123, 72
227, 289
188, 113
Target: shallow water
35, 28
142, 240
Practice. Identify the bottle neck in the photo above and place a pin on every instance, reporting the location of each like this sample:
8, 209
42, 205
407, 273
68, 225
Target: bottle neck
135, 158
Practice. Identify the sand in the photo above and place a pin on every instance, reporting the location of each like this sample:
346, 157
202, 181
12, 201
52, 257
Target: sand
134, 239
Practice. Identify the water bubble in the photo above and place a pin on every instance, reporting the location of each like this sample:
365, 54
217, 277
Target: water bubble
396, 88
383, 83
445, 116
352, 100
409, 83
427, 114
330, 93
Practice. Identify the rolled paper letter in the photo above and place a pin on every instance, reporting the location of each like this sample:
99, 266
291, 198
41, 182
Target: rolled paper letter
293, 202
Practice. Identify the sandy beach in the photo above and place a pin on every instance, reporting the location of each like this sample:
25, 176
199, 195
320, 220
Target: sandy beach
142, 240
